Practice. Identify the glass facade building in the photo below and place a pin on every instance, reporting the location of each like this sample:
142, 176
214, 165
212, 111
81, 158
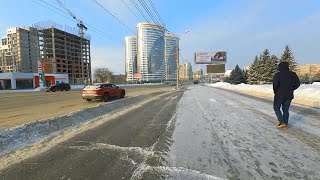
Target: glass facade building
151, 52
130, 57
171, 45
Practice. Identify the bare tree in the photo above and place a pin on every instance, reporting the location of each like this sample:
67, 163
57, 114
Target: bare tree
103, 75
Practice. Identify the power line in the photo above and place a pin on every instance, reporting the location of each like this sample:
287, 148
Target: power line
113, 16
157, 13
95, 28
54, 10
146, 8
130, 9
138, 8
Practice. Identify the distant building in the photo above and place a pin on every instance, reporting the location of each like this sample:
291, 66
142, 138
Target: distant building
61, 53
171, 45
185, 72
19, 50
29, 80
310, 69
130, 44
198, 75
119, 79
151, 52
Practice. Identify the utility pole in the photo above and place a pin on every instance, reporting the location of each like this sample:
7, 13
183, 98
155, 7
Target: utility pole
177, 62
81, 33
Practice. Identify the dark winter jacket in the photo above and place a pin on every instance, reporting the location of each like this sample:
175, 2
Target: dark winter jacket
285, 82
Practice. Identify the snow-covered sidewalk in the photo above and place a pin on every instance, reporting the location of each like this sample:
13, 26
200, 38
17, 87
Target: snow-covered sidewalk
225, 135
306, 94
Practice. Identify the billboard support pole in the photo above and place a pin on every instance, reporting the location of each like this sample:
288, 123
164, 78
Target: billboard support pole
177, 61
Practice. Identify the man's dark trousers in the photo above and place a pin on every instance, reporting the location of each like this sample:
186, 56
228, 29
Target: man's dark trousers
285, 104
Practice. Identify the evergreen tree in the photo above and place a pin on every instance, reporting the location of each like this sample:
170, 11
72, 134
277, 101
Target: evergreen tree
305, 79
264, 68
287, 56
316, 77
245, 73
253, 74
237, 76
271, 68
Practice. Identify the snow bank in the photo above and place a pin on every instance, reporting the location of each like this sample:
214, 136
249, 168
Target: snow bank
77, 86
38, 131
306, 94
20, 90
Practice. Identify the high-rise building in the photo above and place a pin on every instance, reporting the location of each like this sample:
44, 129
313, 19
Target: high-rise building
171, 45
19, 50
185, 72
130, 57
310, 69
65, 53
198, 75
151, 52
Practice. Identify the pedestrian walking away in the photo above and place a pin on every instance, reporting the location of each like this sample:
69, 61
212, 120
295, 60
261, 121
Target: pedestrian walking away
284, 84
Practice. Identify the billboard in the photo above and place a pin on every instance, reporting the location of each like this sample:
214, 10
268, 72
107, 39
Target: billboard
218, 68
219, 57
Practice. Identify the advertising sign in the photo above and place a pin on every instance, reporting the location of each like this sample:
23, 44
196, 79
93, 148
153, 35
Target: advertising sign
219, 68
219, 57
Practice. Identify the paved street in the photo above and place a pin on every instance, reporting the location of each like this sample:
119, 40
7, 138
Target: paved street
19, 108
197, 133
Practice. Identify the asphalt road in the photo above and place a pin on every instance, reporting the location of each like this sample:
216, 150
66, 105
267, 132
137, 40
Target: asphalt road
105, 152
198, 133
20, 108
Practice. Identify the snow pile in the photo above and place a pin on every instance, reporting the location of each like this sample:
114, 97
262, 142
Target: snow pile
38, 131
20, 90
306, 94
77, 86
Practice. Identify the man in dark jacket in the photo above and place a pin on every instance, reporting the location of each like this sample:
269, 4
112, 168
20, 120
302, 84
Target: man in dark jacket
284, 83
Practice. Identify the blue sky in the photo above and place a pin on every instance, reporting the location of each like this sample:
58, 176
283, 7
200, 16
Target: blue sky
242, 28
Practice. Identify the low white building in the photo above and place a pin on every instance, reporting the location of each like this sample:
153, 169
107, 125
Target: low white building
29, 80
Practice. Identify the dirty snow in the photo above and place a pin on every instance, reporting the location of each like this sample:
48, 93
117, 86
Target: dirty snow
306, 94
226, 135
38, 131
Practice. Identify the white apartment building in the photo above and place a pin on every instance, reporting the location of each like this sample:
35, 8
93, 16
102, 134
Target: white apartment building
130, 57
19, 50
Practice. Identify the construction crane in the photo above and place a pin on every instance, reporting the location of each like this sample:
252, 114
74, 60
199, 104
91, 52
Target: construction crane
82, 28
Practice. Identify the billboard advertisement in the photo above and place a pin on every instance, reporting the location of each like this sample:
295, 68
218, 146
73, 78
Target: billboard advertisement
219, 57
219, 68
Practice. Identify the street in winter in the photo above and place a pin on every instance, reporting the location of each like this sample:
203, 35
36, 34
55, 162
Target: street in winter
199, 132
159, 90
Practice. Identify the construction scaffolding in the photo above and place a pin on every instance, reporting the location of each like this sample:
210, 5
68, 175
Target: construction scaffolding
61, 51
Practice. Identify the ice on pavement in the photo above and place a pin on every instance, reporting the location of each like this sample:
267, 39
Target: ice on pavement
306, 94
227, 135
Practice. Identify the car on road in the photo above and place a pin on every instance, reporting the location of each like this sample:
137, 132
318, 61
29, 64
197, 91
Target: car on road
195, 82
59, 87
102, 92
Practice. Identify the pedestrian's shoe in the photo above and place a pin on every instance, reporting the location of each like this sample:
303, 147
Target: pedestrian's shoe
282, 125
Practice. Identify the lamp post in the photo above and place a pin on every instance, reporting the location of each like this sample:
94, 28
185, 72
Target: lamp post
177, 58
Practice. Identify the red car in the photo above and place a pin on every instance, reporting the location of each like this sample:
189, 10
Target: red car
102, 92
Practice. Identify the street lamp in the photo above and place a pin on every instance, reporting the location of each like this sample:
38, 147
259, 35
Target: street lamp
177, 58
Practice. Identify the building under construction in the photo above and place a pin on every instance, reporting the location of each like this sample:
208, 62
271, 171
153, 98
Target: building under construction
66, 53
